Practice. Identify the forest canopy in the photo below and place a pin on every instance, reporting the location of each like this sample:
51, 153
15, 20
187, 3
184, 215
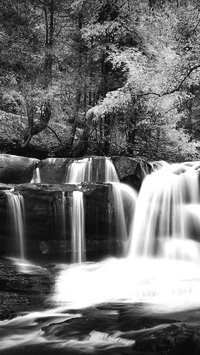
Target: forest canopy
106, 77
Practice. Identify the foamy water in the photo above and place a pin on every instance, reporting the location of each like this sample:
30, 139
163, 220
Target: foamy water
125, 280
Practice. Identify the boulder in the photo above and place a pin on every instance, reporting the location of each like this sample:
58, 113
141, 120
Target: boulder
19, 170
52, 170
15, 169
131, 170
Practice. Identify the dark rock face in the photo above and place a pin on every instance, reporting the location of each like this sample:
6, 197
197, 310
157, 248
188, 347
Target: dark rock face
15, 169
4, 225
53, 170
19, 170
131, 170
48, 220
48, 205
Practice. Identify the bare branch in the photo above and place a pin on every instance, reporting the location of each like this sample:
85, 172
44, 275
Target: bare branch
182, 81
52, 130
177, 88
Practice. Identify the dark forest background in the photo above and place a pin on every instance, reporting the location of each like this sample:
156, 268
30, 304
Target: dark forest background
103, 77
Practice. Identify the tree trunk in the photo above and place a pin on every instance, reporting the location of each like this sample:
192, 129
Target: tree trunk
49, 25
35, 128
45, 115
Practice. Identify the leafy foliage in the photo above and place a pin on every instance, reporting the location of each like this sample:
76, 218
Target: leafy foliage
122, 77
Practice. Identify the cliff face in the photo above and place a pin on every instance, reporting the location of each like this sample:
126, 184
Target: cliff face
16, 169
48, 206
48, 221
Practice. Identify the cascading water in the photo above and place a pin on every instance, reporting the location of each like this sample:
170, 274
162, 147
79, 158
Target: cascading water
17, 215
164, 255
36, 179
110, 172
103, 170
163, 223
94, 170
91, 169
63, 215
78, 228
163, 265
79, 171
124, 198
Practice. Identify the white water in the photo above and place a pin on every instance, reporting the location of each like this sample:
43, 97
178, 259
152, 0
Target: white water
167, 283
163, 239
36, 179
124, 201
163, 264
17, 215
78, 171
63, 215
162, 220
91, 169
110, 172
78, 228
102, 170
29, 330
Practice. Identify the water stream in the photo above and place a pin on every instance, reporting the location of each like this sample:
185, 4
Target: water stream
164, 224
17, 218
36, 179
78, 228
159, 264
98, 169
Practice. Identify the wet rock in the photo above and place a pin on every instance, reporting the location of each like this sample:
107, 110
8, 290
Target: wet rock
22, 292
48, 220
15, 169
18, 170
53, 170
131, 170
179, 339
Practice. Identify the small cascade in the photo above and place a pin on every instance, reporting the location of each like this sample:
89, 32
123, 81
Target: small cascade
110, 172
93, 169
101, 169
79, 171
163, 223
124, 198
63, 215
78, 228
36, 179
17, 216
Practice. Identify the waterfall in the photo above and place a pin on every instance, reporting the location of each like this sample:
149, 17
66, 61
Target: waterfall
110, 172
124, 198
63, 215
78, 227
93, 169
164, 224
79, 171
36, 179
101, 169
164, 254
17, 216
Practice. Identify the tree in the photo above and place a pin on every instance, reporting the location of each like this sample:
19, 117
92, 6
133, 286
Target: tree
119, 74
159, 64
